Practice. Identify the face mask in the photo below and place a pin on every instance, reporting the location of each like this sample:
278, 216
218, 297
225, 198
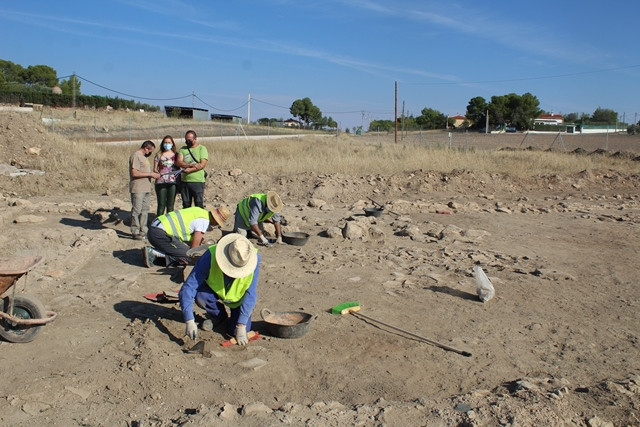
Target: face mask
189, 143
167, 147
147, 154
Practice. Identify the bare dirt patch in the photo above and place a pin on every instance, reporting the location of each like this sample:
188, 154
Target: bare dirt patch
558, 344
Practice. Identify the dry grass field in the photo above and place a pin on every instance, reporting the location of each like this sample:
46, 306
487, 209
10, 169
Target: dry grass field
553, 224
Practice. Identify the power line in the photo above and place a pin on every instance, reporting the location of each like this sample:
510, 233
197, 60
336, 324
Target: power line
132, 96
268, 103
219, 109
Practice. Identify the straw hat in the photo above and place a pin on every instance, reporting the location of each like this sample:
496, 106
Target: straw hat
236, 256
274, 203
221, 215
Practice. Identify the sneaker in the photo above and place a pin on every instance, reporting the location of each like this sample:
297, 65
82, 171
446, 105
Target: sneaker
138, 237
209, 323
148, 255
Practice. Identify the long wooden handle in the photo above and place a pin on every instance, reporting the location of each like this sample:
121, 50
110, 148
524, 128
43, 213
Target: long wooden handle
436, 343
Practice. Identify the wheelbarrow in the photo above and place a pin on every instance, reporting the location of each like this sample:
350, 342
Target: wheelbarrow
21, 316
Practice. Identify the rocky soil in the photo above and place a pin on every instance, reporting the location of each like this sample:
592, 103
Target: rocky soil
557, 345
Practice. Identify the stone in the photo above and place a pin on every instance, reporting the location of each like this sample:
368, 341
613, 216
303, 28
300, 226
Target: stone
228, 411
35, 408
316, 203
597, 422
255, 408
235, 172
21, 202
376, 233
334, 232
353, 231
33, 219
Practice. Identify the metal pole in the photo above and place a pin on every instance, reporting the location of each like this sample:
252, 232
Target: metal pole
73, 87
486, 127
402, 133
396, 113
249, 110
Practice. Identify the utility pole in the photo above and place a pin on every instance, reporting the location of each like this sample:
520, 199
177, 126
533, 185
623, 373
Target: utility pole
486, 127
402, 133
249, 110
193, 95
395, 115
73, 88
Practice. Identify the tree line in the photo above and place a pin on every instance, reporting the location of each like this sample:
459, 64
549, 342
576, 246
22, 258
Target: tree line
511, 110
34, 84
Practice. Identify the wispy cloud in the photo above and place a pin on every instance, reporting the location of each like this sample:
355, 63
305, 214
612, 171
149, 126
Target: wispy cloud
500, 29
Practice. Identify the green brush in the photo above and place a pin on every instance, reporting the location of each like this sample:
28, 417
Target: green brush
346, 308
353, 307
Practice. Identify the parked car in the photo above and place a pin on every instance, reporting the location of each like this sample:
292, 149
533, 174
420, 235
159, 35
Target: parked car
510, 129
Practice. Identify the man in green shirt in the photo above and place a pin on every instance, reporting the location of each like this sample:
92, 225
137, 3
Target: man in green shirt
193, 159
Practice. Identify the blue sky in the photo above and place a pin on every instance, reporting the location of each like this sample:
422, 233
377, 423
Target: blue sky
345, 55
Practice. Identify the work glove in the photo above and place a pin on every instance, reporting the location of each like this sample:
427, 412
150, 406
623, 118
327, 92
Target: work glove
279, 240
262, 241
192, 329
241, 335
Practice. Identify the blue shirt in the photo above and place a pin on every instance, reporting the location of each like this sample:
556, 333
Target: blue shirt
198, 277
256, 208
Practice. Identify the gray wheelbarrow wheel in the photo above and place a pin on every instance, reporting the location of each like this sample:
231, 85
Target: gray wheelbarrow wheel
24, 307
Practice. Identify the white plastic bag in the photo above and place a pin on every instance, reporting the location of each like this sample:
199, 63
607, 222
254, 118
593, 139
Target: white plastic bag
483, 285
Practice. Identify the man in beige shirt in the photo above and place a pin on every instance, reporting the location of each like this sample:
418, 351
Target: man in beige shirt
140, 174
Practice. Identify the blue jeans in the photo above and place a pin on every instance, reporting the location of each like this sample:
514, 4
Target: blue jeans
208, 300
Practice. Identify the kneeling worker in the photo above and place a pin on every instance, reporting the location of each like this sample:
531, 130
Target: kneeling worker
174, 233
225, 275
255, 209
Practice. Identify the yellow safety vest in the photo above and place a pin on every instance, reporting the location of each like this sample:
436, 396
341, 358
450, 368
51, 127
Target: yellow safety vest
244, 208
232, 295
176, 223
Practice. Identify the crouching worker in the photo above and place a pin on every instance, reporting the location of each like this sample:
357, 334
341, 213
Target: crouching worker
174, 233
252, 211
224, 276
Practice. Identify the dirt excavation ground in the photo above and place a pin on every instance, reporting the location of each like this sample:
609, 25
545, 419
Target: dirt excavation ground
557, 345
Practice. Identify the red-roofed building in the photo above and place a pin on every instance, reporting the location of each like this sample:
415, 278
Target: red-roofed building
549, 119
459, 120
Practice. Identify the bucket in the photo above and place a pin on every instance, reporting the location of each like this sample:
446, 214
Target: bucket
373, 211
295, 239
287, 324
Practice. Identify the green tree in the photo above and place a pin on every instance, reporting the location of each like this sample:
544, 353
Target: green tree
12, 72
477, 111
431, 119
381, 126
604, 115
67, 86
571, 118
305, 111
40, 75
522, 110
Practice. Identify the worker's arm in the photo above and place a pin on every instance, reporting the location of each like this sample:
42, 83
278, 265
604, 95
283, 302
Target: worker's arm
189, 288
196, 239
250, 297
135, 173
